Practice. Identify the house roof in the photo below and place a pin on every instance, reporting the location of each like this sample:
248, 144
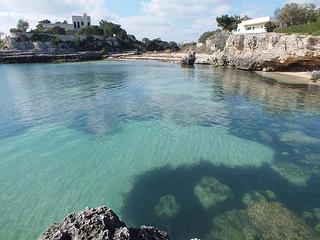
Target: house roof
258, 20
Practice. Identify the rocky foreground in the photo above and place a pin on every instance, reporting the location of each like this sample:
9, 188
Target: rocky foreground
97, 224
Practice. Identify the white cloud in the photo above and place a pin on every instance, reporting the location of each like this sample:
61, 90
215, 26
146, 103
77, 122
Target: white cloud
179, 20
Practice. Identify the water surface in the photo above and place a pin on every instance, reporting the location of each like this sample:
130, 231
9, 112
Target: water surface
124, 134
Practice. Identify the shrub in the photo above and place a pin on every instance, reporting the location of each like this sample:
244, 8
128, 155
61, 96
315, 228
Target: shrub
307, 28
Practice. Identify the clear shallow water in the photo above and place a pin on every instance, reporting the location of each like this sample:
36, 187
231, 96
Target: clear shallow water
123, 134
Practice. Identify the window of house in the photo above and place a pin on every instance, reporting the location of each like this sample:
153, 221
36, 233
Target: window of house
74, 24
82, 23
78, 24
88, 23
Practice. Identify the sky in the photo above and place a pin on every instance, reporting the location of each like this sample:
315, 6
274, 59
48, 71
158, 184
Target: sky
177, 20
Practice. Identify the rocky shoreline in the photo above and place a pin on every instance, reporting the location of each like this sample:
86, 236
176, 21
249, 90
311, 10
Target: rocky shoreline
99, 223
38, 57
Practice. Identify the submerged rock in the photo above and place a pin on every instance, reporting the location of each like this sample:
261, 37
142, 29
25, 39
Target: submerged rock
252, 198
274, 222
167, 207
297, 137
292, 172
189, 58
270, 194
266, 137
99, 224
316, 212
312, 159
233, 225
210, 191
307, 215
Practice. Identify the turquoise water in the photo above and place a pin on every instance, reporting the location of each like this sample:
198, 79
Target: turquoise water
123, 134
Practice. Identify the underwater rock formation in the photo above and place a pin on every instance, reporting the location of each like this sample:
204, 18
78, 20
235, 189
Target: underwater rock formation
297, 137
316, 212
252, 198
167, 207
210, 191
292, 172
266, 137
270, 194
263, 221
274, 222
232, 225
98, 224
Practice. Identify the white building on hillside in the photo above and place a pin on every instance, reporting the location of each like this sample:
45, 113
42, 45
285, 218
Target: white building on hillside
255, 25
78, 22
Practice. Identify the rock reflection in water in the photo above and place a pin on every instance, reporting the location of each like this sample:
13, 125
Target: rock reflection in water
236, 217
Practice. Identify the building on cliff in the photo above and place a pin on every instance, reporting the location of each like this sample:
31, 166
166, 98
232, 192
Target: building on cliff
255, 25
78, 22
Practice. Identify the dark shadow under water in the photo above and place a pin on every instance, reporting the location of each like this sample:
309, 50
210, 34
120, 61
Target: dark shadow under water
193, 220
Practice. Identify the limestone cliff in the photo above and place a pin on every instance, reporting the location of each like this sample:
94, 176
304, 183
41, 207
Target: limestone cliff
270, 52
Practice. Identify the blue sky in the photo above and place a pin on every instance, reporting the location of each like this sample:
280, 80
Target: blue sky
178, 20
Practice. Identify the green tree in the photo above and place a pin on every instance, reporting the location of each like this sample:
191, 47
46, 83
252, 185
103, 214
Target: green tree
39, 27
92, 30
270, 26
111, 29
227, 22
206, 35
293, 14
22, 25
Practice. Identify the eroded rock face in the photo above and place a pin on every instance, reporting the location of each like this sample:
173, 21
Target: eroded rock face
270, 52
99, 224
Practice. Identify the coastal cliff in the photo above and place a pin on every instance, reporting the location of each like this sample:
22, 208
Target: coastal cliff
99, 223
269, 52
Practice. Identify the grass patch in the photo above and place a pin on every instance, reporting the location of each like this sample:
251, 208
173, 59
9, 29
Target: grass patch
307, 28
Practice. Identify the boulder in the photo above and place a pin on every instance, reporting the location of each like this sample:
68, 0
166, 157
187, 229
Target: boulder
99, 224
189, 59
210, 191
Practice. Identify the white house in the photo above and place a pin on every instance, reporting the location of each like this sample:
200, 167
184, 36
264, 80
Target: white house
255, 25
78, 22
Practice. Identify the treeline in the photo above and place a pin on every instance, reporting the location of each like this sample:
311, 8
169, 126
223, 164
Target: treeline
105, 28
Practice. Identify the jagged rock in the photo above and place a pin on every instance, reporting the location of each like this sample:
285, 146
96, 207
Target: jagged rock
210, 191
252, 198
292, 172
189, 59
99, 224
167, 207
274, 222
315, 76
